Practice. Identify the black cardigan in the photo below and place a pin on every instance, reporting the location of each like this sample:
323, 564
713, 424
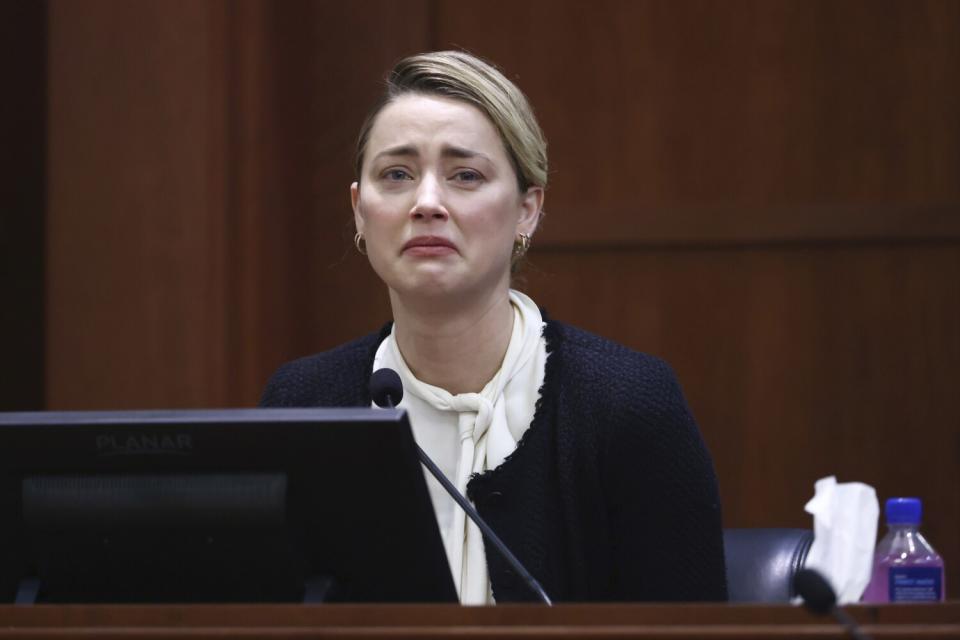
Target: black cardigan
610, 495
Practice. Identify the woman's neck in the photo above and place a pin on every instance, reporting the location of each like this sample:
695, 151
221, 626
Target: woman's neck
458, 348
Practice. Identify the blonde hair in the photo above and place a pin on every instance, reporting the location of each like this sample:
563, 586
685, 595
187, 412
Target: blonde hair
461, 76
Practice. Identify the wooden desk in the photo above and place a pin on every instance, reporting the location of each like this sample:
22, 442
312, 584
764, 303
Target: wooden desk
450, 621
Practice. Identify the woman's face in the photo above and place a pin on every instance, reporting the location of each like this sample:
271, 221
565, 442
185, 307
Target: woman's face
437, 202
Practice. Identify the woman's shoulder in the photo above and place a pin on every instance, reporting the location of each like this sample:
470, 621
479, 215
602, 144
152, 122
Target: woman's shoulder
589, 355
607, 378
336, 377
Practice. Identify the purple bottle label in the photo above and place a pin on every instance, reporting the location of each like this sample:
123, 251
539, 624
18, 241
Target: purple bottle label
916, 584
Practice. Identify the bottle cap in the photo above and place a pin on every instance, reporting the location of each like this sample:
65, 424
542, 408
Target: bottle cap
904, 510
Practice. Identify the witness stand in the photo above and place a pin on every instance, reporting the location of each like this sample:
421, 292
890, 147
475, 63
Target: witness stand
675, 621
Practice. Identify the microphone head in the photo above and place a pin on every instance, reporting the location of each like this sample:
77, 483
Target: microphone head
816, 592
386, 390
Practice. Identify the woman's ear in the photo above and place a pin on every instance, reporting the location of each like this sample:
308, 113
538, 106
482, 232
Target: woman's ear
531, 204
355, 203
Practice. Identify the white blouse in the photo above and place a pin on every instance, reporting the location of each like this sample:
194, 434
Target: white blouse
470, 433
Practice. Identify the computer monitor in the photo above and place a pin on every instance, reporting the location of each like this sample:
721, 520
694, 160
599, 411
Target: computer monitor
245, 505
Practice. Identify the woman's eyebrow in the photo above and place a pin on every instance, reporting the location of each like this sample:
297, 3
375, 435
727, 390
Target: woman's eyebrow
399, 150
451, 151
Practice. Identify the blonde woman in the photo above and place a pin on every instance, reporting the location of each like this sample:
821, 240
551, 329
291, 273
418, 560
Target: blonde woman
580, 453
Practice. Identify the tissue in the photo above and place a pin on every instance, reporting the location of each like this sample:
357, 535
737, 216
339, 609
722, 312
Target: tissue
845, 517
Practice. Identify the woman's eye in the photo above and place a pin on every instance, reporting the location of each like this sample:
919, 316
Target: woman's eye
396, 175
468, 175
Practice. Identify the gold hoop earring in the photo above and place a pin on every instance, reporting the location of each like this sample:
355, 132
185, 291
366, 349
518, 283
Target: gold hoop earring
521, 245
362, 248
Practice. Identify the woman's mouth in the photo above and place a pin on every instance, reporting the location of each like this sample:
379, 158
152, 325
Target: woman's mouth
426, 246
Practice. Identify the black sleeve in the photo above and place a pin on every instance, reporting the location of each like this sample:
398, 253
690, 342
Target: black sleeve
662, 497
336, 378
277, 392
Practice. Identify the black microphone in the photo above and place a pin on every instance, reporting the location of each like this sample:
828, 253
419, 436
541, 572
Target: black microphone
386, 390
820, 598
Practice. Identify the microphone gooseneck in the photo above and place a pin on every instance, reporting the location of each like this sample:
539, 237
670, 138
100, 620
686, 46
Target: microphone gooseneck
820, 598
386, 391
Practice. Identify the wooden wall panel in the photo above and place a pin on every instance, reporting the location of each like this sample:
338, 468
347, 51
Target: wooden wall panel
135, 288
735, 121
23, 57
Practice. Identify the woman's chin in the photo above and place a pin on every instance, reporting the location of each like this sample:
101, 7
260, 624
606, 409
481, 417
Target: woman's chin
437, 282
431, 288
436, 287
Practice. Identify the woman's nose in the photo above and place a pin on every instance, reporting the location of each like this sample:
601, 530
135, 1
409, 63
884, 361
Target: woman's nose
429, 203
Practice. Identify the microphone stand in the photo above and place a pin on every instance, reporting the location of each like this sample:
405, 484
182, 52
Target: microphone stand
488, 533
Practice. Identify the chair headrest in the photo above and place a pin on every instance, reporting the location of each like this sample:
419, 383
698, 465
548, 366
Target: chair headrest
762, 563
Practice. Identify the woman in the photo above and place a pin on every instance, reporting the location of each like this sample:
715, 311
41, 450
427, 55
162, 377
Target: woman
580, 453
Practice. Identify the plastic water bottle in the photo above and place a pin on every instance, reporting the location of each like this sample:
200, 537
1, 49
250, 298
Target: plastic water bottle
905, 566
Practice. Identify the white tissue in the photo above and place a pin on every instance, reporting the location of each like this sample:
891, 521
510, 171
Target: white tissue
845, 519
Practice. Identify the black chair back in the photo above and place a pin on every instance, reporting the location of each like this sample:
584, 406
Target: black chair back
761, 563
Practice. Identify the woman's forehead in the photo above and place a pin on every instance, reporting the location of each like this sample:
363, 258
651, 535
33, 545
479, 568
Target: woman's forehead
433, 121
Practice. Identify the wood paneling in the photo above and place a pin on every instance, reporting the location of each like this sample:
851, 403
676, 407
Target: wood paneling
23, 57
731, 121
135, 287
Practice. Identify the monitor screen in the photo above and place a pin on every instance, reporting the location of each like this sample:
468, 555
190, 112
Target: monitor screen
244, 505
